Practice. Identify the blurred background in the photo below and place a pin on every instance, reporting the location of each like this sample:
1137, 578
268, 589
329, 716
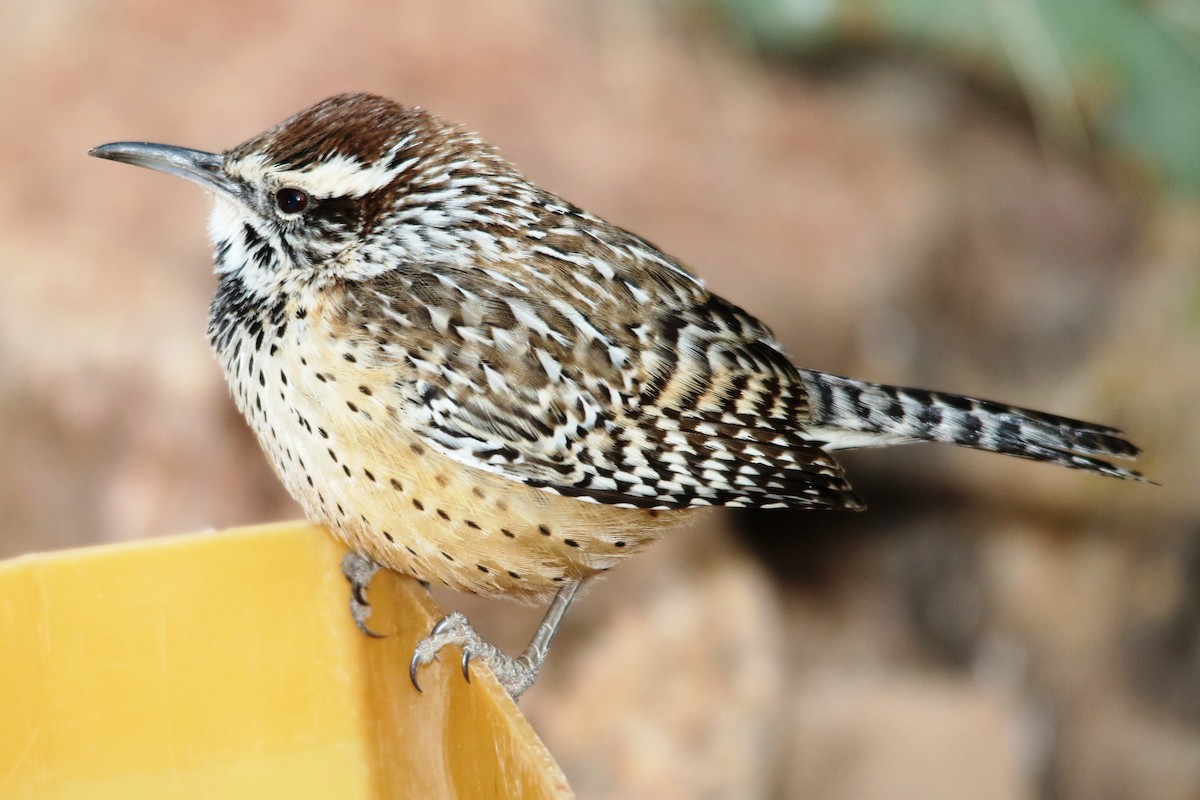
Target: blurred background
996, 197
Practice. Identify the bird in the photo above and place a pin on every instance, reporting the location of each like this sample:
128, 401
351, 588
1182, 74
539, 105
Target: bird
472, 381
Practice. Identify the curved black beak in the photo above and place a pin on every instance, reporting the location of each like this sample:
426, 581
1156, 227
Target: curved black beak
206, 169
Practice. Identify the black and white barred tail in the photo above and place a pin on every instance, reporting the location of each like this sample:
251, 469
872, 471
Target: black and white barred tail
849, 413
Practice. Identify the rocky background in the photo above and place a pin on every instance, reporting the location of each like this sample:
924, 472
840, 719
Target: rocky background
989, 628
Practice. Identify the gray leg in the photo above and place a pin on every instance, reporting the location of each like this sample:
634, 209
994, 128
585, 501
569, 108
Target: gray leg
359, 570
515, 674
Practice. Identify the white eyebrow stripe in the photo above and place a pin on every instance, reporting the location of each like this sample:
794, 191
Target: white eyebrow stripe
344, 176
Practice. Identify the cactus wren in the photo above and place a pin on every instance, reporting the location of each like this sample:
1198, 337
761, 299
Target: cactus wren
472, 381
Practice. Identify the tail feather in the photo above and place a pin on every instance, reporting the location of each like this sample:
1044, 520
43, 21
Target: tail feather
848, 413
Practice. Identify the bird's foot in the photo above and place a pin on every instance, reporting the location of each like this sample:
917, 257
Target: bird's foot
514, 674
359, 570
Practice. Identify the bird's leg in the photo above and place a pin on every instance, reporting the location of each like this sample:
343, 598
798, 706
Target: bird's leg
359, 570
515, 674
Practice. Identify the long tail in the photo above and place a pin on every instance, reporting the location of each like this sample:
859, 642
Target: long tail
848, 413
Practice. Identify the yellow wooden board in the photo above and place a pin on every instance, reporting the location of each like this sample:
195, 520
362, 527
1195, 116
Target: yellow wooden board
226, 665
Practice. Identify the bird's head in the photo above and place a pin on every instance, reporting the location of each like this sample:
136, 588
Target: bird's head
345, 190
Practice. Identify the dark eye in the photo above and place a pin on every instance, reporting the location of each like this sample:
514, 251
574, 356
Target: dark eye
291, 201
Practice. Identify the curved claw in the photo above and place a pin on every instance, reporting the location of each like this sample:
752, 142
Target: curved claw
358, 593
369, 632
360, 610
426, 651
359, 570
412, 673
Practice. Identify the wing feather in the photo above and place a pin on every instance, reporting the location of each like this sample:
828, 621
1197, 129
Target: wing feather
674, 410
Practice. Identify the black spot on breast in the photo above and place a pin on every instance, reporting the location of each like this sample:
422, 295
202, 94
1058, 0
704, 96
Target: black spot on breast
508, 533
396, 485
544, 530
417, 504
388, 536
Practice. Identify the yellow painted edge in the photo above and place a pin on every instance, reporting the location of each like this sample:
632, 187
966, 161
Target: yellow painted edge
225, 664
